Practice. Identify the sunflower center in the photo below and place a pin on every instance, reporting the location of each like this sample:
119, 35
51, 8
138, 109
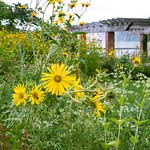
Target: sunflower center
136, 62
35, 95
57, 78
21, 95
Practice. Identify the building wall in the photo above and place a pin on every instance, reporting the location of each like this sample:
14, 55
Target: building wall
125, 42
122, 39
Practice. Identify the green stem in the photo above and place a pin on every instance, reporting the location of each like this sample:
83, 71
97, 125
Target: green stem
119, 127
45, 11
105, 131
137, 126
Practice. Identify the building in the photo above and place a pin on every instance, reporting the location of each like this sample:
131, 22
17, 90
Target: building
125, 35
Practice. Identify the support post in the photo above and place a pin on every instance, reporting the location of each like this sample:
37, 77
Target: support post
83, 37
143, 45
109, 41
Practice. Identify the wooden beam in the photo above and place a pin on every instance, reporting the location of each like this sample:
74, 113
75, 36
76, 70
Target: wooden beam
119, 24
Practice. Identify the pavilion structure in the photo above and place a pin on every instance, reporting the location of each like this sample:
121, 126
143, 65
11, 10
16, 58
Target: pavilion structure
110, 26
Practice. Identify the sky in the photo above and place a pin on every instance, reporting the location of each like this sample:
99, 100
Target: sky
108, 9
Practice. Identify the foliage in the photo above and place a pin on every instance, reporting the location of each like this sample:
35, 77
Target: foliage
5, 11
17, 17
57, 92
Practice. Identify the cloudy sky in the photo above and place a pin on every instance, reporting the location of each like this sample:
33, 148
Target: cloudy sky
107, 9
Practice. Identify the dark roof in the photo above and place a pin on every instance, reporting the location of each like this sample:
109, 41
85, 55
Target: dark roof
141, 25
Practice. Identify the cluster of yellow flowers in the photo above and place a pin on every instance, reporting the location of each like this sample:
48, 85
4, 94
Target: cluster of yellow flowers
74, 4
36, 95
56, 81
55, 1
9, 42
61, 18
85, 4
25, 6
62, 11
62, 15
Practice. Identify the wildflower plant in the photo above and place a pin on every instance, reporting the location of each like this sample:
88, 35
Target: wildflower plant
57, 94
78, 90
36, 95
136, 60
99, 108
19, 96
111, 53
57, 80
62, 12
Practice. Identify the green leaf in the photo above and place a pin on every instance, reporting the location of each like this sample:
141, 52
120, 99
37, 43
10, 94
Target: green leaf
116, 121
139, 123
121, 100
142, 104
133, 139
77, 16
54, 42
142, 122
125, 81
113, 143
106, 125
79, 33
134, 121
104, 146
119, 122
123, 121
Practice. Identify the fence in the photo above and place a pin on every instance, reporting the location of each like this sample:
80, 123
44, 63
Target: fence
129, 52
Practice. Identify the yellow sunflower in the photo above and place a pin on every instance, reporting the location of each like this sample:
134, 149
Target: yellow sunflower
98, 105
99, 108
51, 1
65, 54
61, 13
59, 1
136, 60
97, 94
77, 87
22, 6
36, 95
34, 14
72, 4
82, 23
70, 15
111, 53
82, 4
19, 96
85, 4
57, 80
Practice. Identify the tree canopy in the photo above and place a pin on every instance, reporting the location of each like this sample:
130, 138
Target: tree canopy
17, 15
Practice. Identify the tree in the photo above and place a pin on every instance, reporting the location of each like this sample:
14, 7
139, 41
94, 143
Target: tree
14, 17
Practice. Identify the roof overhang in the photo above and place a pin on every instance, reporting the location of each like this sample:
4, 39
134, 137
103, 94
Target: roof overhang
139, 25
